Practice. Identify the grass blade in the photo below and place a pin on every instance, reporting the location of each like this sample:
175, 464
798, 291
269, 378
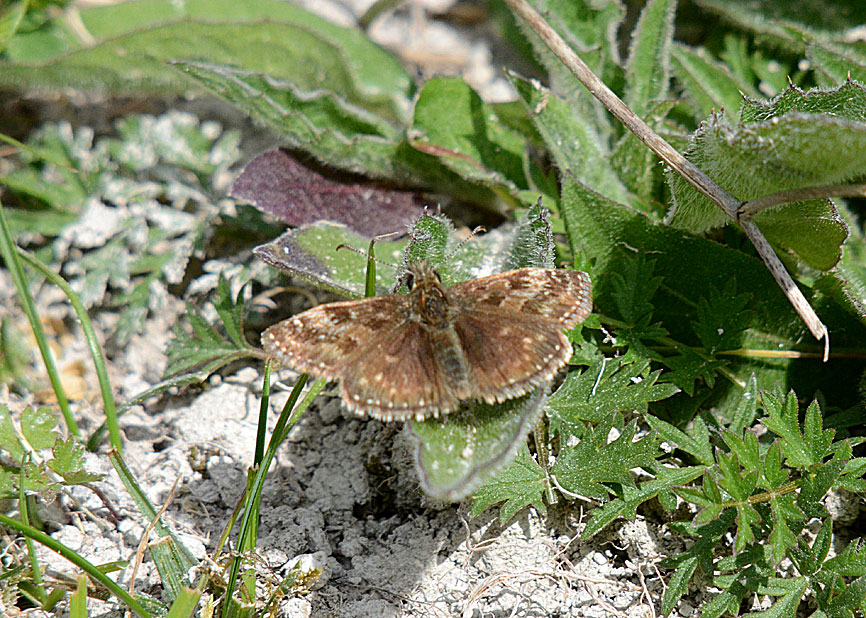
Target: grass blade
10, 255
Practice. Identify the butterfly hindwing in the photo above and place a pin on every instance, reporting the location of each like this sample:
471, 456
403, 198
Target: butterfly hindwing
509, 357
400, 377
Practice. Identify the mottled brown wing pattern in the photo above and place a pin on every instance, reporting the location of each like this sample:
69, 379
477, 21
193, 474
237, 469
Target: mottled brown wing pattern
557, 295
511, 327
509, 357
320, 339
397, 377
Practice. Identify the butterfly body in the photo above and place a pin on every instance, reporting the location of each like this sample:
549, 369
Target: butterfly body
422, 354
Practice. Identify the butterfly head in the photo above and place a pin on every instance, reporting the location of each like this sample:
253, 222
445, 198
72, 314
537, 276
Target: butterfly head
427, 296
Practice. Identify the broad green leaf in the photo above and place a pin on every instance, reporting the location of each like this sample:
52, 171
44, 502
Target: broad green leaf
459, 452
334, 131
633, 288
837, 62
129, 42
792, 141
647, 79
310, 252
573, 142
847, 282
723, 316
522, 483
647, 72
611, 234
452, 123
638, 166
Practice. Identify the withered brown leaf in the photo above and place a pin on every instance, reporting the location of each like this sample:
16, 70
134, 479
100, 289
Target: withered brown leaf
418, 355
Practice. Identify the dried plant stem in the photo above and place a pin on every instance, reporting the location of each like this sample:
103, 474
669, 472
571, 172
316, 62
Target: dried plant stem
670, 155
753, 207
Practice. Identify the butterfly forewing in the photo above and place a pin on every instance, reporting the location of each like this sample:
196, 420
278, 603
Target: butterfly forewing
557, 295
320, 339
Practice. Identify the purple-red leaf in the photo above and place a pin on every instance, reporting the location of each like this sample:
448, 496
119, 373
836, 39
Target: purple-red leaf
277, 183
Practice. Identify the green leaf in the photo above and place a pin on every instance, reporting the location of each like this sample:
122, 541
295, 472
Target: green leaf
745, 411
595, 460
789, 142
630, 498
452, 123
270, 36
647, 73
612, 233
573, 142
459, 452
332, 130
588, 26
722, 318
638, 166
10, 18
700, 554
68, 462
8, 438
311, 253
206, 346
522, 483
783, 420
695, 441
689, 366
634, 287
602, 389
786, 606
776, 22
708, 85
37, 426
837, 62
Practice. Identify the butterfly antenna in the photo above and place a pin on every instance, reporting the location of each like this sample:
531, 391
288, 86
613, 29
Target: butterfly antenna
472, 234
